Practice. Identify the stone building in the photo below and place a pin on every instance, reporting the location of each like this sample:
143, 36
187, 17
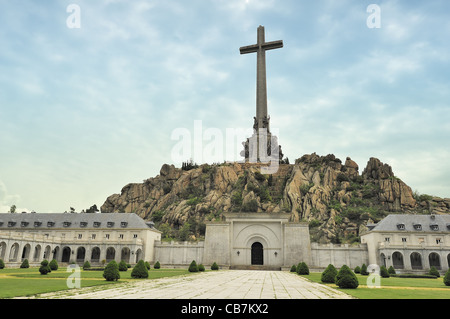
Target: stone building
75, 238
410, 243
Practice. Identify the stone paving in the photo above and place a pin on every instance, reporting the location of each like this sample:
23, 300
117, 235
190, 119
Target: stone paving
226, 284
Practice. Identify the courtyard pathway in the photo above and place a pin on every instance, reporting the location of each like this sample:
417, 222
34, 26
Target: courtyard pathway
226, 284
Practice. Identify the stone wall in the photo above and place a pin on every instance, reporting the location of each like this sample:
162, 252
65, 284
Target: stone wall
178, 253
338, 255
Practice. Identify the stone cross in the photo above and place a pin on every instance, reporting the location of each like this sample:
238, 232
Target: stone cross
261, 119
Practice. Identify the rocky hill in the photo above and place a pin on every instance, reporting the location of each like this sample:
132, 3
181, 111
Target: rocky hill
332, 196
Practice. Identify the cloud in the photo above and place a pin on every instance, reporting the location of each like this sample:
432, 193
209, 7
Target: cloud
7, 200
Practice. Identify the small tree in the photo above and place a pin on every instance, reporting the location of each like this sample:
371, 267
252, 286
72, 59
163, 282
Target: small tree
86, 265
329, 274
157, 265
357, 270
147, 265
25, 264
201, 267
391, 270
139, 270
214, 266
302, 269
111, 272
294, 267
434, 272
345, 278
2, 264
193, 267
364, 271
44, 269
53, 264
123, 266
384, 272
447, 278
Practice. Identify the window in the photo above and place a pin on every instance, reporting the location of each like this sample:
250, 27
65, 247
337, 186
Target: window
438, 241
37, 224
134, 235
123, 224
387, 239
11, 224
50, 224
66, 224
97, 224
417, 226
93, 236
24, 224
107, 236
121, 236
401, 226
404, 240
80, 236
434, 227
83, 224
109, 224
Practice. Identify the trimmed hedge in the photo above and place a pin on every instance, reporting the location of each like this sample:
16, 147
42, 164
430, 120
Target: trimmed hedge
25, 264
329, 274
53, 264
384, 272
294, 268
123, 266
346, 278
193, 267
302, 269
214, 266
111, 272
157, 265
434, 272
447, 278
140, 270
2, 264
44, 269
413, 276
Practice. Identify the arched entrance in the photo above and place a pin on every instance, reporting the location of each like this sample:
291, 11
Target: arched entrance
257, 254
66, 255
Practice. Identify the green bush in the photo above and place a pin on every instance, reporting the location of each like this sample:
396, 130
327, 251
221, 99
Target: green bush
123, 266
447, 278
384, 272
364, 271
44, 269
140, 270
413, 276
111, 272
2, 264
147, 265
345, 278
434, 272
391, 270
302, 269
201, 267
357, 270
25, 264
329, 274
86, 265
53, 264
214, 266
193, 267
294, 267
157, 265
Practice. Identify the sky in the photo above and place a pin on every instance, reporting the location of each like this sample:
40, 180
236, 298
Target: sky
93, 93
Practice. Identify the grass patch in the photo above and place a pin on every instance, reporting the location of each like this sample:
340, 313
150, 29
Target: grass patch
29, 282
394, 288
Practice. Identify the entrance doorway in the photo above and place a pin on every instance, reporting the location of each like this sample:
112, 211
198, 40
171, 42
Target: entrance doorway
257, 254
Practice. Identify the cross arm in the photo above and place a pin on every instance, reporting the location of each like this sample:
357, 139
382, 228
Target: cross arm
249, 49
272, 45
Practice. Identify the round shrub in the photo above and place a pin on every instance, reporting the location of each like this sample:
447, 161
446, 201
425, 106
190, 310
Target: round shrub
447, 278
157, 265
139, 270
302, 269
214, 266
44, 269
111, 272
294, 268
201, 267
384, 272
391, 270
25, 264
86, 265
53, 264
345, 278
357, 270
147, 265
123, 266
329, 274
364, 271
193, 267
2, 264
434, 272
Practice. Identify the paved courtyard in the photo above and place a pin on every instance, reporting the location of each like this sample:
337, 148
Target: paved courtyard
226, 284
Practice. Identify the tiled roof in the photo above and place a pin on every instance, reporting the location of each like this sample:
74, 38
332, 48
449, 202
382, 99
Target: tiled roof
414, 223
72, 220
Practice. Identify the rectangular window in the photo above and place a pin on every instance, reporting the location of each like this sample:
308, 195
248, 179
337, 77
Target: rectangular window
121, 236
404, 240
93, 236
438, 241
107, 236
135, 236
387, 239
80, 236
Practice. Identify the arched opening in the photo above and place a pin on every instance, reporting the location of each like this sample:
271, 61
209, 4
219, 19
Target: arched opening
416, 261
14, 251
37, 253
47, 252
81, 253
56, 253
383, 259
448, 260
2, 250
110, 254
257, 254
66, 255
26, 252
125, 254
138, 255
434, 260
397, 260
95, 255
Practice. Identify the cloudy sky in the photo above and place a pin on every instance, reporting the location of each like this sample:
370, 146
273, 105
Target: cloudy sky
91, 94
